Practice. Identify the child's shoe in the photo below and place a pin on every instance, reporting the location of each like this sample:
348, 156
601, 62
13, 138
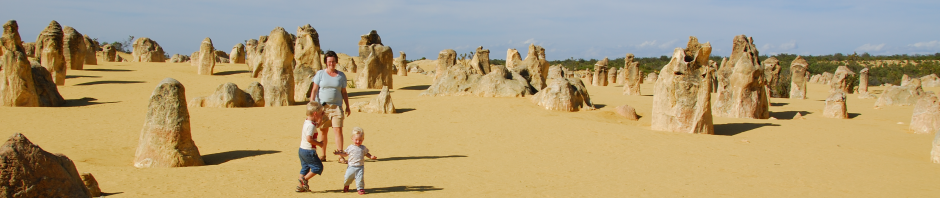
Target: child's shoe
362, 191
346, 189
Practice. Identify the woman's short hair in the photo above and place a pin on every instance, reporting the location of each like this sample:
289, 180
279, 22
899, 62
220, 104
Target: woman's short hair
330, 53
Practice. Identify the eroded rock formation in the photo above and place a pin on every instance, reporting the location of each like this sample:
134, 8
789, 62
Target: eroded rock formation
46, 89
600, 73
445, 60
840, 80
627, 112
377, 71
307, 48
254, 57
49, 51
512, 59
926, 116
380, 104
147, 50
91, 184
563, 94
238, 54
681, 96
17, 87
901, 95
109, 54
500, 82
863, 85
632, 76
772, 75
74, 49
30, 171
277, 73
480, 63
401, 64
91, 49
742, 92
798, 78
166, 138
835, 106
226, 95
205, 60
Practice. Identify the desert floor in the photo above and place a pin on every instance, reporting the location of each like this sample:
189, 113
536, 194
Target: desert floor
470, 147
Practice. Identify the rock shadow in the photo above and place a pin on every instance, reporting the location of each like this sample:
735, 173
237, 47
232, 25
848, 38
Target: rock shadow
81, 102
417, 157
731, 129
109, 70
853, 115
109, 82
599, 106
104, 194
416, 87
226, 73
403, 110
787, 115
393, 189
362, 93
219, 158
80, 76
775, 104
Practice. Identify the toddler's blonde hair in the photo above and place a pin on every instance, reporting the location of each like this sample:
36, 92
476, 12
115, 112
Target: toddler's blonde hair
358, 131
313, 107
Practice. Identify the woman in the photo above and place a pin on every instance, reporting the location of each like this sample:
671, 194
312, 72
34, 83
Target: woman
329, 88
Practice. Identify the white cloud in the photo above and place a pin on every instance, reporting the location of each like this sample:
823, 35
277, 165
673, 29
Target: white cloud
668, 44
870, 48
646, 44
928, 44
789, 45
782, 47
766, 47
530, 41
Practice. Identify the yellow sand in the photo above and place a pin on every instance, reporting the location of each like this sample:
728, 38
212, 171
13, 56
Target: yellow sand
482, 147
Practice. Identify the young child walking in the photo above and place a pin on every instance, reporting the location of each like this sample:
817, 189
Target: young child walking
310, 164
355, 155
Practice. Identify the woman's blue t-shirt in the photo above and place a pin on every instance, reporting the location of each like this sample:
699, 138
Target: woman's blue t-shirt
330, 87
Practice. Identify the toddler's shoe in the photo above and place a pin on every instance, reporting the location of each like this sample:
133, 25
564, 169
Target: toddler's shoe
362, 191
345, 189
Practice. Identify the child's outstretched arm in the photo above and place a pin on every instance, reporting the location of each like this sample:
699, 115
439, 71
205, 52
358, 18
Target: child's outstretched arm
340, 153
370, 156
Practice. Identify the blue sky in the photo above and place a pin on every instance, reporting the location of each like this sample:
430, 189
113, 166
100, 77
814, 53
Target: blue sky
579, 29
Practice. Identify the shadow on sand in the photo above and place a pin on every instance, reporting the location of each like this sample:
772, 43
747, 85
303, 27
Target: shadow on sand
416, 87
777, 104
403, 110
731, 129
81, 102
392, 189
226, 73
109, 70
787, 115
362, 93
80, 76
417, 157
219, 158
853, 115
109, 82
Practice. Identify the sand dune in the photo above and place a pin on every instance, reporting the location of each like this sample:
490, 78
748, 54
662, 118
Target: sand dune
472, 147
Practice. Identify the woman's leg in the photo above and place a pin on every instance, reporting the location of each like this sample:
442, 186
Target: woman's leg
339, 137
323, 138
